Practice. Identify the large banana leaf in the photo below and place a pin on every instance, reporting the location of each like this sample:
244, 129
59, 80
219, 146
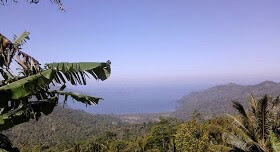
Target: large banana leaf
26, 86
76, 72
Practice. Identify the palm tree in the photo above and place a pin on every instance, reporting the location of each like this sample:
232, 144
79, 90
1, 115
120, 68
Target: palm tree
255, 129
28, 94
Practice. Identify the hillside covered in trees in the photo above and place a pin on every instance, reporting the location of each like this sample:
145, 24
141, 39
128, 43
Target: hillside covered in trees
75, 130
217, 100
65, 129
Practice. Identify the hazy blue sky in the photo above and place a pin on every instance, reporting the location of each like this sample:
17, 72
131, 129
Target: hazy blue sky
156, 41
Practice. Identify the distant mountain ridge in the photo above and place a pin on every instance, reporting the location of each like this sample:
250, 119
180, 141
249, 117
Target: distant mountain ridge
218, 99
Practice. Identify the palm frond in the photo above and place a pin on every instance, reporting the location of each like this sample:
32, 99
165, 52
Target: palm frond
243, 135
253, 127
238, 122
253, 104
263, 118
235, 141
239, 108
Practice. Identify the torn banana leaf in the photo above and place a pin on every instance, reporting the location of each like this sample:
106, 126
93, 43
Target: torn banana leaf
88, 100
76, 73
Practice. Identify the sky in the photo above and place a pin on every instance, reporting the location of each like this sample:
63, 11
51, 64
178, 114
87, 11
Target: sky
156, 42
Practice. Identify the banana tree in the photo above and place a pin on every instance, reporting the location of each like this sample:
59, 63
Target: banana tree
28, 93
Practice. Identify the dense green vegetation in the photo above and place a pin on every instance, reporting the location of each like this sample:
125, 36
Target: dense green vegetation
74, 130
255, 129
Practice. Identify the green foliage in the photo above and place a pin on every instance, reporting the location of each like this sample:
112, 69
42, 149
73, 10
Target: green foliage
118, 145
161, 137
190, 137
275, 143
193, 136
65, 130
196, 115
251, 130
76, 72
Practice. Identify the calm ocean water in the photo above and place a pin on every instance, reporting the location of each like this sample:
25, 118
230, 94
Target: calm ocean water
133, 100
